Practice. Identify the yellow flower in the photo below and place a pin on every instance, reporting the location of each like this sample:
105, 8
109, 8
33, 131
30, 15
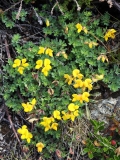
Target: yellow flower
25, 134
72, 116
16, 63
47, 62
78, 83
110, 34
21, 64
103, 58
20, 70
22, 130
47, 23
85, 96
33, 102
85, 30
29, 105
46, 123
97, 77
24, 64
94, 43
90, 44
52, 119
77, 97
54, 126
69, 79
64, 55
72, 107
87, 84
76, 113
65, 116
49, 52
56, 114
28, 137
39, 64
79, 27
40, 146
76, 74
41, 50
46, 69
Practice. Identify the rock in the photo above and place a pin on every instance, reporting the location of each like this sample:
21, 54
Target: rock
105, 108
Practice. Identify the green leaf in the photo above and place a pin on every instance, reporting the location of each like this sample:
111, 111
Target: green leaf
85, 150
16, 39
90, 155
99, 32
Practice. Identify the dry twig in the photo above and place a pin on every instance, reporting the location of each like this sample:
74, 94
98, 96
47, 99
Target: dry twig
12, 126
7, 49
19, 10
78, 6
12, 6
56, 4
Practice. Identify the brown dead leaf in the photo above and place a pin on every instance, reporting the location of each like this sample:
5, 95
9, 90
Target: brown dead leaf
71, 151
58, 54
112, 128
50, 91
96, 143
66, 30
35, 76
55, 82
58, 153
40, 158
25, 149
117, 151
1, 11
32, 120
84, 142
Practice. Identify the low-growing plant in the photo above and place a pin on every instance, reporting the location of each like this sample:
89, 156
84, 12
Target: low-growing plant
99, 145
11, 20
52, 82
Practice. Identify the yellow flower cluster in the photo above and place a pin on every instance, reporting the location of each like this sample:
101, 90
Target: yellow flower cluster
81, 97
103, 58
76, 79
20, 64
29, 105
72, 112
49, 123
45, 65
47, 51
91, 44
110, 34
80, 28
25, 134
